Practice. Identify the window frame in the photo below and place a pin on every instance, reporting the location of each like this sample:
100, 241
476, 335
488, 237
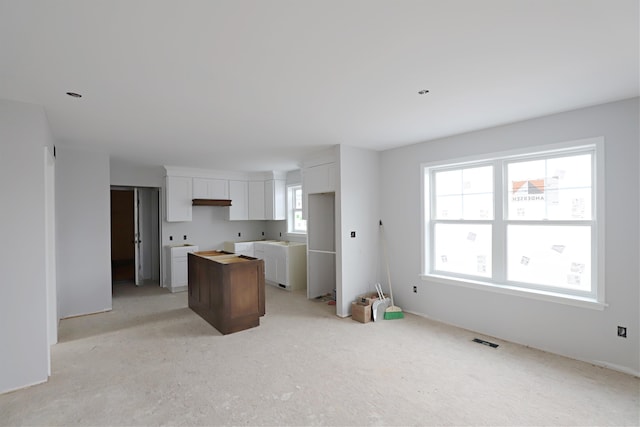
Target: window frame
291, 188
498, 283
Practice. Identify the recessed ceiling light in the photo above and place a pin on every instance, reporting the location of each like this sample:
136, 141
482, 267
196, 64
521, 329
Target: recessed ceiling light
74, 95
423, 92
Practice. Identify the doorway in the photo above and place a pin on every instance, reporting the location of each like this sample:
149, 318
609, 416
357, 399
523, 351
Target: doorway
135, 235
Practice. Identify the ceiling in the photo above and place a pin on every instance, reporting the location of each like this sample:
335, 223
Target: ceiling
261, 85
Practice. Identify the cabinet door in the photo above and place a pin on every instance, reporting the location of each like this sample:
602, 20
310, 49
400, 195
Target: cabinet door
218, 189
200, 188
238, 193
178, 198
319, 179
275, 199
179, 272
270, 265
256, 200
281, 267
205, 188
244, 248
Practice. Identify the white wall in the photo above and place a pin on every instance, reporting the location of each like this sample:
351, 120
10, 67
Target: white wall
358, 208
135, 175
83, 232
581, 333
24, 352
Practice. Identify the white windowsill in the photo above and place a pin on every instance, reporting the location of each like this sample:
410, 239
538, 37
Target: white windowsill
511, 290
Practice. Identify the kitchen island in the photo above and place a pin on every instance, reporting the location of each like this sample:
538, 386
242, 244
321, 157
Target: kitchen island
226, 290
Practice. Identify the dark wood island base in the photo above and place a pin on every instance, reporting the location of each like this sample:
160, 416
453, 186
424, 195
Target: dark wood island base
226, 290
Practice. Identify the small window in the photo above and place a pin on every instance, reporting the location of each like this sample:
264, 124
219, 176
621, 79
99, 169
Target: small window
296, 224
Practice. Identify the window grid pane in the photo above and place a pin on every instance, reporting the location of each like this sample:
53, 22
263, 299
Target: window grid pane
550, 189
464, 193
550, 255
463, 249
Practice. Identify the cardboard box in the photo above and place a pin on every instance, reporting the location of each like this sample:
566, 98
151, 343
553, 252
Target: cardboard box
368, 298
361, 313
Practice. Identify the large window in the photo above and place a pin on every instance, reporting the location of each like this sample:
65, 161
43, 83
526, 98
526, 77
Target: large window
518, 222
294, 210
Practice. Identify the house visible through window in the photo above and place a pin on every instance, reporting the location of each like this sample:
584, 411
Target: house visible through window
294, 210
525, 221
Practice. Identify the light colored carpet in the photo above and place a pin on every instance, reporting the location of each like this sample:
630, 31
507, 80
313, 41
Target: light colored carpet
152, 361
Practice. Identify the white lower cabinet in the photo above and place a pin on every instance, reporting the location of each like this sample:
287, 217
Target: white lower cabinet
178, 267
239, 248
269, 264
285, 263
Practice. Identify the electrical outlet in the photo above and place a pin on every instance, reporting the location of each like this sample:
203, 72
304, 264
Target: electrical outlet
184, 237
280, 234
353, 234
263, 233
239, 234
415, 289
622, 331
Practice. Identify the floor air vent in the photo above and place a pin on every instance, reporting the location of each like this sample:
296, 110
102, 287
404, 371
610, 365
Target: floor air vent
487, 343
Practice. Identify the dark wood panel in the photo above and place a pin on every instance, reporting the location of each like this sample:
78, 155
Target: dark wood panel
230, 294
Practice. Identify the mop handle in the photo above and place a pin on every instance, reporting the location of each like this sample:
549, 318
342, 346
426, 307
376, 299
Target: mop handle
386, 261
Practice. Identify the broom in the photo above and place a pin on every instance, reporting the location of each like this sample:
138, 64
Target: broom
392, 312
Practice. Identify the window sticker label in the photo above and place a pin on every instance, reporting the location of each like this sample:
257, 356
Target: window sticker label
524, 260
558, 248
482, 264
573, 279
552, 191
532, 189
577, 267
577, 208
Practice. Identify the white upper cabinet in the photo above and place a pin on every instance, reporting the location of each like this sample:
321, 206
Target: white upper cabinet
275, 199
213, 189
254, 196
267, 200
239, 195
178, 198
319, 179
256, 200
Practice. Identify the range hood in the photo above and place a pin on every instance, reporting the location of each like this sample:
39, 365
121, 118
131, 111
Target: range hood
211, 202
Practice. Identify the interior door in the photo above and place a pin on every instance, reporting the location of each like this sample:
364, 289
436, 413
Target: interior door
123, 238
136, 237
